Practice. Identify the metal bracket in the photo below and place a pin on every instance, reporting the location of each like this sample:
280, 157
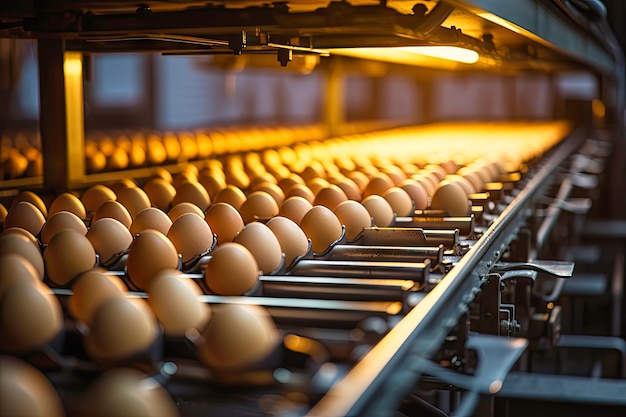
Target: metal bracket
556, 269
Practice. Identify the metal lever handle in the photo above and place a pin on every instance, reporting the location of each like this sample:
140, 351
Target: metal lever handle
556, 269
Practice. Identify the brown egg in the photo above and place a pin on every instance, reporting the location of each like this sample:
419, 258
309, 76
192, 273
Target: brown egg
120, 328
114, 210
399, 200
232, 270
258, 205
321, 226
237, 337
293, 242
288, 181
95, 196
359, 178
294, 208
330, 197
428, 179
127, 392
26, 216
61, 220
3, 213
32, 198
183, 208
451, 198
463, 182
174, 300
272, 189
378, 185
160, 192
231, 195
439, 171
21, 244
354, 216
191, 236
379, 209
350, 188
212, 182
30, 317
150, 252
184, 176
25, 391
394, 173
15, 269
263, 244
192, 192
316, 184
417, 192
151, 218
109, 238
68, 202
134, 199
314, 170
300, 190
68, 254
473, 177
225, 221
90, 290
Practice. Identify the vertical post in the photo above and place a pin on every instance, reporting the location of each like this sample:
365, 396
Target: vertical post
333, 111
61, 115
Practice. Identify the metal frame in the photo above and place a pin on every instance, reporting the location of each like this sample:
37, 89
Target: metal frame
378, 383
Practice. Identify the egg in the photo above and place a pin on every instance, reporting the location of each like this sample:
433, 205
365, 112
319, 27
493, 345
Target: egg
184, 176
237, 337
314, 170
232, 270
378, 185
212, 182
463, 182
127, 392
151, 218
134, 199
30, 317
231, 195
32, 198
109, 238
59, 221
114, 210
258, 205
183, 208
316, 184
3, 213
294, 208
95, 196
293, 242
225, 221
354, 216
288, 181
191, 236
15, 269
451, 198
25, 391
90, 290
473, 177
263, 244
26, 216
417, 192
68, 254
150, 252
192, 192
174, 300
18, 241
330, 197
120, 328
380, 210
350, 188
399, 200
439, 171
160, 192
272, 189
322, 226
68, 202
300, 190
394, 173
359, 178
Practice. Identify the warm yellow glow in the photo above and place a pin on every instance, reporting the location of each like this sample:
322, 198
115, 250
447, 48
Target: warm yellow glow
598, 108
73, 76
437, 56
73, 64
453, 53
499, 21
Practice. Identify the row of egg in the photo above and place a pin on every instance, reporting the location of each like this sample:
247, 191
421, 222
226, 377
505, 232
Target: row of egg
303, 205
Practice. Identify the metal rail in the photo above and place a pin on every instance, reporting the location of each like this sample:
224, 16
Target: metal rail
382, 378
